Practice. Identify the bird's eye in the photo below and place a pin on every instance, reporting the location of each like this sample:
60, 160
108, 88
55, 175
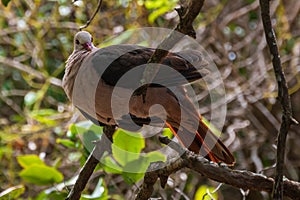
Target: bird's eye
77, 41
92, 39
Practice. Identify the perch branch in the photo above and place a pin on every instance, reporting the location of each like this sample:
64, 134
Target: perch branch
237, 178
283, 96
93, 16
91, 163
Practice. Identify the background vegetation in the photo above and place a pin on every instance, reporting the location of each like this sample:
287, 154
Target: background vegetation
41, 134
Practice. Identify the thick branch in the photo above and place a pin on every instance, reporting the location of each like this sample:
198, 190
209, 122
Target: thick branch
283, 97
91, 163
240, 179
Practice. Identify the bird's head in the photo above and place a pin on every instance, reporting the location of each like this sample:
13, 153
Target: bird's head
83, 40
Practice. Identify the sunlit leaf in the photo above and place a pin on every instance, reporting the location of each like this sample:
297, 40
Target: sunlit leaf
203, 191
66, 142
155, 156
28, 160
134, 171
155, 14
127, 146
167, 132
41, 175
159, 7
110, 165
51, 195
72, 132
87, 131
82, 127
44, 116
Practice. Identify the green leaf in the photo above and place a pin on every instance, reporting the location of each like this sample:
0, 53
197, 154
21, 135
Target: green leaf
44, 116
110, 165
66, 142
41, 175
51, 195
87, 139
12, 192
159, 7
203, 191
84, 125
134, 171
87, 131
151, 4
155, 156
28, 160
155, 14
167, 132
127, 146
5, 2
72, 132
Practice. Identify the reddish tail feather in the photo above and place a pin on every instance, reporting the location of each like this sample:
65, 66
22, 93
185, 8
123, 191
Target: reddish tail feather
204, 142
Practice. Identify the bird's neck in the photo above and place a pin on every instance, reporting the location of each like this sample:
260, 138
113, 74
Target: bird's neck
72, 66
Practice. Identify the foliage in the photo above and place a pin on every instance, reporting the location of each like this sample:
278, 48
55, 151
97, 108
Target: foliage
37, 172
44, 140
205, 193
127, 159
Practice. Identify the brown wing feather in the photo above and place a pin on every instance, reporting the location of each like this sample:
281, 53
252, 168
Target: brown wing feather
124, 58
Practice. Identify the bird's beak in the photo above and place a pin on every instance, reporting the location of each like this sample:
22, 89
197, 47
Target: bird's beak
88, 46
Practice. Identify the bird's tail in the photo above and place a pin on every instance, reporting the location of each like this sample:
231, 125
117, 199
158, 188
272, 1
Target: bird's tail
202, 141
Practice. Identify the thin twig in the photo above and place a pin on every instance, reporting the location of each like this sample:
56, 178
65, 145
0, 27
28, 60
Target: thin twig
93, 16
91, 163
283, 96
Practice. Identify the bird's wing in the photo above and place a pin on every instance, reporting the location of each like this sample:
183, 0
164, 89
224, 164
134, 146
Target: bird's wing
123, 65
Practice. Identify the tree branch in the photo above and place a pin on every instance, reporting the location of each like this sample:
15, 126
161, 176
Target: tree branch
91, 163
283, 96
93, 16
237, 178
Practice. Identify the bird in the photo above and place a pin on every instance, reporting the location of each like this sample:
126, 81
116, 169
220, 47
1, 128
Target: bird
94, 82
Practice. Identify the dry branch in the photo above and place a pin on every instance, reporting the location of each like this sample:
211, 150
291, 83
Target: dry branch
91, 163
283, 97
237, 178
